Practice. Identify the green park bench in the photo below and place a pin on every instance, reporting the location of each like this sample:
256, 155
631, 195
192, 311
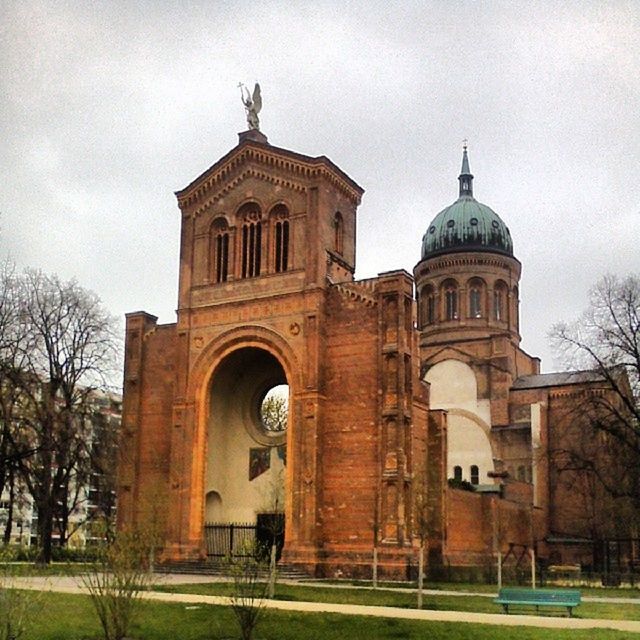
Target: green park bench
568, 598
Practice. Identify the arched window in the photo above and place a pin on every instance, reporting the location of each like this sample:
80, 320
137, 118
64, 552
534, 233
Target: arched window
515, 302
251, 240
499, 301
338, 233
450, 300
475, 299
475, 474
457, 473
280, 222
219, 250
427, 306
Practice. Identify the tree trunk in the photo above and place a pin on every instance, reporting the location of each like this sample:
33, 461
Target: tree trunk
420, 574
374, 578
45, 515
9, 525
272, 571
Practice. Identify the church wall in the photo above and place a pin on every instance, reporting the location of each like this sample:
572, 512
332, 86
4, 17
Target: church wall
480, 524
350, 432
149, 393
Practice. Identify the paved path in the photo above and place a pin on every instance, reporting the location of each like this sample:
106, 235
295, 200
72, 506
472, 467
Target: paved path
73, 584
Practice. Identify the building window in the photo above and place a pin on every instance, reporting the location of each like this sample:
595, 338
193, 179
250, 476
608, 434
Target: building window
457, 473
450, 302
499, 300
251, 249
220, 251
338, 233
280, 225
475, 301
431, 307
427, 306
475, 474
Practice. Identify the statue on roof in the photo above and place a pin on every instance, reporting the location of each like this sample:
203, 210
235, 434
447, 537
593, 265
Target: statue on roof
252, 105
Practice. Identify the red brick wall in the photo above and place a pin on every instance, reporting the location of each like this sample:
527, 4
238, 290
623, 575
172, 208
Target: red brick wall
349, 437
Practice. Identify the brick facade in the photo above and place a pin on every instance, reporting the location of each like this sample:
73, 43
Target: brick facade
267, 296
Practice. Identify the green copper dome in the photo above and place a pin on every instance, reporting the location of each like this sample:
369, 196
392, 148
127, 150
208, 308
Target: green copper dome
466, 225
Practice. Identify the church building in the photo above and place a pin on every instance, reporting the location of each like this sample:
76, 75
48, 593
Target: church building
406, 401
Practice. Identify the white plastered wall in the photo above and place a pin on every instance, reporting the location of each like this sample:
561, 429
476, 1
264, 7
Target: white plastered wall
232, 433
454, 389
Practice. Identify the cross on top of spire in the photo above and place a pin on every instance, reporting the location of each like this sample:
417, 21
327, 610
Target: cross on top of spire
465, 178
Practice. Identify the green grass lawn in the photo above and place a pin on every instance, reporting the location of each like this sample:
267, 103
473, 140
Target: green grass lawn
604, 592
66, 617
408, 600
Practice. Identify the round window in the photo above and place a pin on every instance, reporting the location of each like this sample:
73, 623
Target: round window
473, 222
432, 229
450, 223
495, 224
274, 410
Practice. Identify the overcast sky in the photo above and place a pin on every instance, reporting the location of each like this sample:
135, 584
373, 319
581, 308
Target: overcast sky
107, 108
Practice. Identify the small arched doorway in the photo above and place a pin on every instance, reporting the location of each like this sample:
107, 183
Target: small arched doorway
246, 452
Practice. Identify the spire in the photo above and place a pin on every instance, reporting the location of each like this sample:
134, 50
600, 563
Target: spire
465, 178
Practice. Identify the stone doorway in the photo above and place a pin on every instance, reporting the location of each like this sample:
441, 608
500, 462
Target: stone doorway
246, 438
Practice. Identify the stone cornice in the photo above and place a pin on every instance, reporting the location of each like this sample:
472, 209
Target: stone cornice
466, 259
272, 164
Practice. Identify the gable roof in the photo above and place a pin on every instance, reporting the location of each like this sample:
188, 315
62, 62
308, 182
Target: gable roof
558, 379
253, 149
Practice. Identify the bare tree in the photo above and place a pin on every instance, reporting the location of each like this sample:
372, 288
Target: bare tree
421, 524
605, 341
70, 350
274, 411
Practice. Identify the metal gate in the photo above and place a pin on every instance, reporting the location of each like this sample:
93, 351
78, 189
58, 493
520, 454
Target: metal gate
234, 539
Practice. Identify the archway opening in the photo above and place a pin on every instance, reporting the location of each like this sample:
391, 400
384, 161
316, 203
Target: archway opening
246, 451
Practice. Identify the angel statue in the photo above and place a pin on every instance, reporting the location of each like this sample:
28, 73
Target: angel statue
252, 105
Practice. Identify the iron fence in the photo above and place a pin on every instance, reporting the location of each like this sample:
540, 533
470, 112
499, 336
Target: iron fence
233, 539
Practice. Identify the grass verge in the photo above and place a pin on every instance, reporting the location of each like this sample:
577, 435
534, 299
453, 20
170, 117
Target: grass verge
71, 617
381, 597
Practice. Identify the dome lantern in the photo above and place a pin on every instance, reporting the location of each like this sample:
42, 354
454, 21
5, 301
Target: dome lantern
466, 225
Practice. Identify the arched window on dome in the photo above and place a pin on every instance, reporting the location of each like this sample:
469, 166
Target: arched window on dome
474, 474
280, 229
427, 306
457, 473
476, 298
251, 249
450, 291
499, 301
219, 250
338, 233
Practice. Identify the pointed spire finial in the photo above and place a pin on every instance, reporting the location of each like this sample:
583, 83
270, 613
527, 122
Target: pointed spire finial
465, 178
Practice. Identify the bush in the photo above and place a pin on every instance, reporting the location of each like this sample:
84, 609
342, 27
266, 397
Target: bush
116, 581
249, 590
17, 608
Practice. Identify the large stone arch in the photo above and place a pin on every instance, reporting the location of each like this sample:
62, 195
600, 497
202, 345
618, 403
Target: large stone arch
213, 355
454, 389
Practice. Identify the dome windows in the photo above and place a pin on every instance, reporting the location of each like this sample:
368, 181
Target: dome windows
427, 306
450, 289
476, 295
499, 301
